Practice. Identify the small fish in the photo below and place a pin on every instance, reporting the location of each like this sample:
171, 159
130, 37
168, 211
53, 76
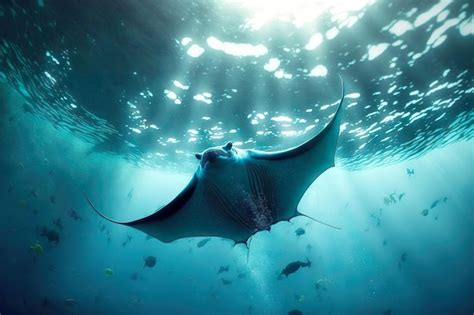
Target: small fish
401, 196
241, 275
223, 269
203, 242
51, 235
434, 203
34, 193
52, 199
10, 188
109, 272
410, 172
392, 197
377, 218
74, 215
127, 240
135, 276
384, 242
150, 261
299, 298
102, 227
425, 212
130, 194
37, 248
388, 312
226, 282
299, 231
295, 312
294, 266
58, 223
403, 259
321, 284
109, 235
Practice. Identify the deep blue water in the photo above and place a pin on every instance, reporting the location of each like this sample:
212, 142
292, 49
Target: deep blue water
114, 98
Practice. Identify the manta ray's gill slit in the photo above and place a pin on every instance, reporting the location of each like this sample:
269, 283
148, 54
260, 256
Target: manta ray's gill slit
261, 189
269, 192
222, 200
251, 179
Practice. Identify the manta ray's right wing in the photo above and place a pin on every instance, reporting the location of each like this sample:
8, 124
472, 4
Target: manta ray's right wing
292, 171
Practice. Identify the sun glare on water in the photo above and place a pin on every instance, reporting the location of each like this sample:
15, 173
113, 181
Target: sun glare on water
297, 12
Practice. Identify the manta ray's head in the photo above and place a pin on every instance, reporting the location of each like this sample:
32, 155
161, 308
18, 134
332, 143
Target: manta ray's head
217, 156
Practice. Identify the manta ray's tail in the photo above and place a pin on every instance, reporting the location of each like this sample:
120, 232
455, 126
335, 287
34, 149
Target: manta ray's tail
315, 220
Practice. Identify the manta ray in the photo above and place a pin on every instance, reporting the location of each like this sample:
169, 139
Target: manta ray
236, 193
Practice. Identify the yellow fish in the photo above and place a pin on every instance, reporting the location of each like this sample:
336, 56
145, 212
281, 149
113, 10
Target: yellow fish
37, 248
109, 272
299, 298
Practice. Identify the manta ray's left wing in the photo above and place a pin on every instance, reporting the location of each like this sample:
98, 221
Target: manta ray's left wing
189, 214
288, 174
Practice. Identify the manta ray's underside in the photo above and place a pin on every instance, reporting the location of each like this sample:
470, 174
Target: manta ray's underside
235, 193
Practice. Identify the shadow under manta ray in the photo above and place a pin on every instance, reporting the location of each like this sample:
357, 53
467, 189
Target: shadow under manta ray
235, 193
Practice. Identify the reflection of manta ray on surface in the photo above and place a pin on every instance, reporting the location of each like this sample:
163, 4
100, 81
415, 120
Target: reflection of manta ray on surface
235, 192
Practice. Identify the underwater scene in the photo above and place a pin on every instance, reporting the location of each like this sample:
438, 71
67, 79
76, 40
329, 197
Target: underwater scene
236, 157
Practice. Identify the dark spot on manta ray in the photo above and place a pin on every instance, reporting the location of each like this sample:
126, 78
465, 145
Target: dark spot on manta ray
236, 193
